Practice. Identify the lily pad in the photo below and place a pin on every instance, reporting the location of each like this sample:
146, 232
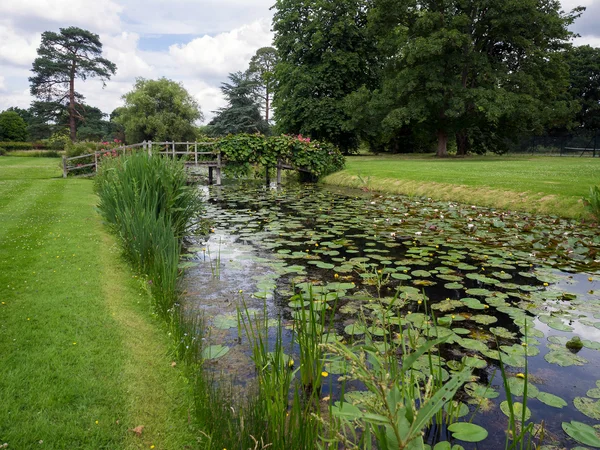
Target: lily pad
582, 433
214, 351
551, 400
468, 432
517, 409
588, 406
480, 391
225, 322
564, 358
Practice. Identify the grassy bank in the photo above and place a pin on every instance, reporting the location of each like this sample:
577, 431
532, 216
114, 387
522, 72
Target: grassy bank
82, 362
549, 185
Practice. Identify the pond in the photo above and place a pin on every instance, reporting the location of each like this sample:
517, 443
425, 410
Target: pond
501, 286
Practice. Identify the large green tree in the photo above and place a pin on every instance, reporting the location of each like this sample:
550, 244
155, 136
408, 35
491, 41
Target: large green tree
242, 113
584, 86
324, 53
473, 70
12, 127
158, 110
262, 71
63, 57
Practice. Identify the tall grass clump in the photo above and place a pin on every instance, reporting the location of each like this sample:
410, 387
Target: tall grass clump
148, 204
593, 201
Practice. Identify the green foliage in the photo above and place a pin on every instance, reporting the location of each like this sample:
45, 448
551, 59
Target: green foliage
62, 57
2, 151
475, 71
584, 65
59, 140
9, 146
12, 127
80, 148
399, 410
593, 201
324, 53
318, 158
147, 202
262, 71
242, 114
158, 110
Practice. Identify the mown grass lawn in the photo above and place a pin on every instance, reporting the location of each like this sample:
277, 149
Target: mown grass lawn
552, 185
82, 361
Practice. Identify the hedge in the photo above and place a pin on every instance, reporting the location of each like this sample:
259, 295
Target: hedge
8, 146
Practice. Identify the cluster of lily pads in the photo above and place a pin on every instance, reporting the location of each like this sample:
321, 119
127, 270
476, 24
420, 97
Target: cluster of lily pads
497, 285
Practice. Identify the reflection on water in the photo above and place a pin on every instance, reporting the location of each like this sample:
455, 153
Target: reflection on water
488, 272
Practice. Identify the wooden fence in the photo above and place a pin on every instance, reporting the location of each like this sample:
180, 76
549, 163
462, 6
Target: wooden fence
211, 159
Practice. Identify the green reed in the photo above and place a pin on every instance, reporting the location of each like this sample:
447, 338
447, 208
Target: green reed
147, 202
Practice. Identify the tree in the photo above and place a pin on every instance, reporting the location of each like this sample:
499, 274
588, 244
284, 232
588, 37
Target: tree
62, 57
468, 68
242, 114
324, 53
94, 126
584, 85
12, 127
158, 110
262, 71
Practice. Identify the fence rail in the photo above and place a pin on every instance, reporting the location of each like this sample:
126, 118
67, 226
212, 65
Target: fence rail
171, 149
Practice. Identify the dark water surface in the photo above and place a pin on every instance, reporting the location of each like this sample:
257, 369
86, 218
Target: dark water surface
500, 279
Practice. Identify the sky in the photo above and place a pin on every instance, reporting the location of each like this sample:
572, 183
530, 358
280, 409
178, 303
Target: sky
195, 42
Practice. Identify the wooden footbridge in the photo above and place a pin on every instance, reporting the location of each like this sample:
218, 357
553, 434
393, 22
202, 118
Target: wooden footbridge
195, 154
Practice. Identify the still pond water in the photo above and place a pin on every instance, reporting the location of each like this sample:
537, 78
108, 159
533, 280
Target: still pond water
499, 279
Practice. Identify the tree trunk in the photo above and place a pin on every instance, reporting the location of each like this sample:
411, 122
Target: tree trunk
442, 150
462, 143
267, 105
72, 126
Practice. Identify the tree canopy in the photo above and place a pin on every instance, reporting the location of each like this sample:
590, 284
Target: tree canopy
262, 71
324, 54
158, 110
63, 57
242, 114
12, 127
476, 70
584, 84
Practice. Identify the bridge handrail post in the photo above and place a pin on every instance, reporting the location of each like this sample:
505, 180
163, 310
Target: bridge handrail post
196, 152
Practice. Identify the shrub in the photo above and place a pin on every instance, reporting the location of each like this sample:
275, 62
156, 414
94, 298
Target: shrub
2, 151
59, 141
147, 202
318, 158
9, 146
80, 148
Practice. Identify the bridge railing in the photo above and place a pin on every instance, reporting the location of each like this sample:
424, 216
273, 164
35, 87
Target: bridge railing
83, 163
87, 165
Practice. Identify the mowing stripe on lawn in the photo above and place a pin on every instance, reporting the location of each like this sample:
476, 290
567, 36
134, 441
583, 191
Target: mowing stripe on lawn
82, 362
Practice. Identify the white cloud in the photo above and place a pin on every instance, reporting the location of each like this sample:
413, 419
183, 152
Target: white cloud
20, 98
16, 48
592, 41
2, 84
96, 15
122, 49
225, 52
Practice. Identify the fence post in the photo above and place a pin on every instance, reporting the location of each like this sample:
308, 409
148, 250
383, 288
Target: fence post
219, 169
96, 161
149, 144
196, 152
64, 166
278, 172
173, 147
